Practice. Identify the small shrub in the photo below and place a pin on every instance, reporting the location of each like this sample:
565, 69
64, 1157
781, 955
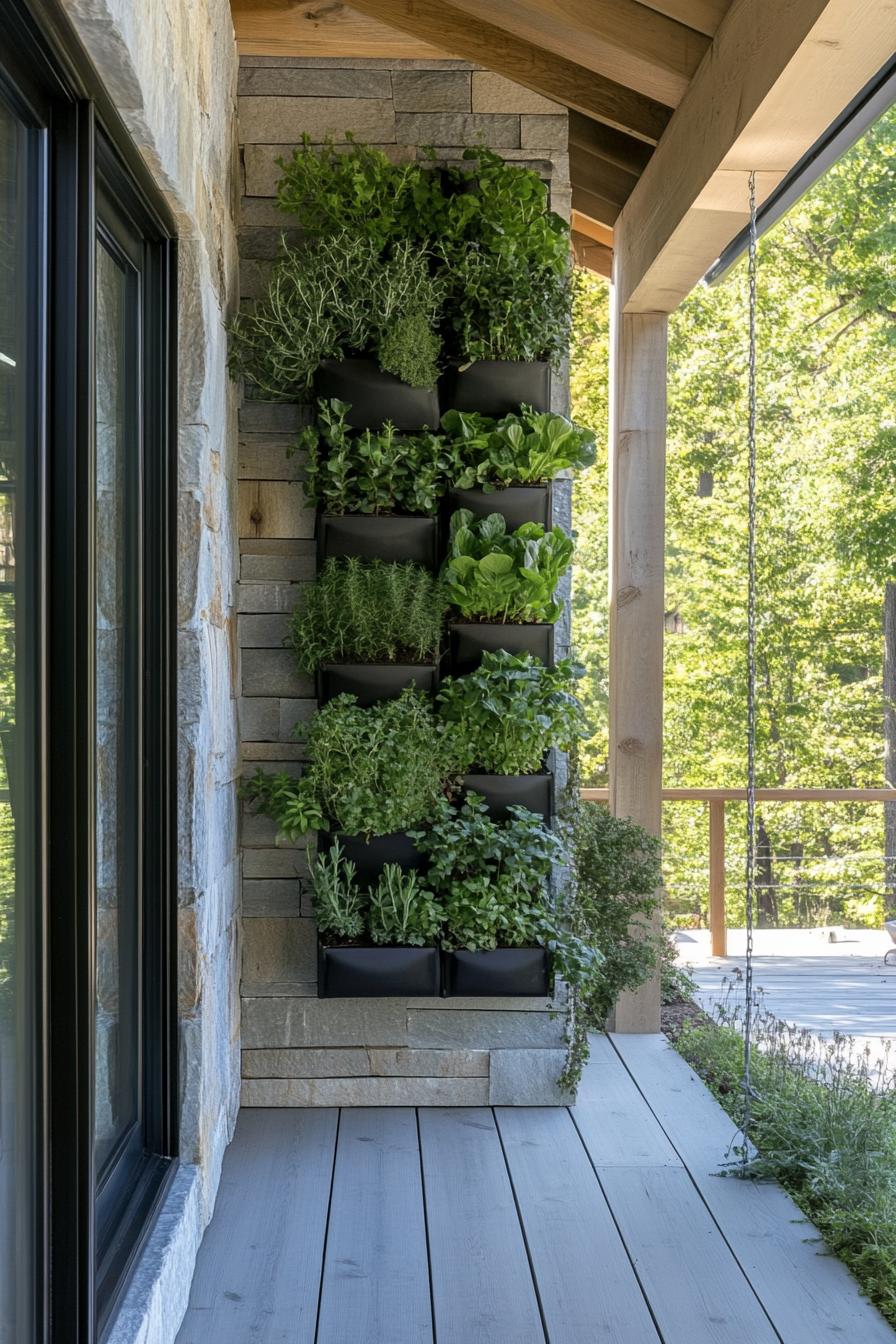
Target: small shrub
377, 471
824, 1125
402, 911
512, 710
337, 899
368, 611
508, 576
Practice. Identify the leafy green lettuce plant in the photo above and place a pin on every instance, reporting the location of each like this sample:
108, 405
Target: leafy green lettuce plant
375, 471
371, 770
491, 573
368, 611
524, 449
511, 711
340, 297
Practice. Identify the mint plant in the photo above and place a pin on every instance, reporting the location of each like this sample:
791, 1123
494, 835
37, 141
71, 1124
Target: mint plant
491, 573
368, 611
375, 471
511, 711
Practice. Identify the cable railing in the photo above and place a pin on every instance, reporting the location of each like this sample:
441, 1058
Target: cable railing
716, 801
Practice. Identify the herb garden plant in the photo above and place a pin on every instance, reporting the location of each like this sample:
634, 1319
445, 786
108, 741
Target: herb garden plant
511, 711
368, 611
491, 574
525, 449
397, 911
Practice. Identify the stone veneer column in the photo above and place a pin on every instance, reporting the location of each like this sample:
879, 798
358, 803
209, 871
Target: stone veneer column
299, 1050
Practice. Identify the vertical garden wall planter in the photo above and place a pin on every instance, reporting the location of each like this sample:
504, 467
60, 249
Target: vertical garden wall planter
371, 856
506, 972
371, 682
535, 792
517, 504
496, 387
469, 640
393, 537
378, 972
375, 396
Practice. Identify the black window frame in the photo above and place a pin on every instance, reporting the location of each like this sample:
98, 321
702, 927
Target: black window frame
86, 149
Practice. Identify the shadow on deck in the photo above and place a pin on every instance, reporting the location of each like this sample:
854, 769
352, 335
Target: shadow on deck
603, 1224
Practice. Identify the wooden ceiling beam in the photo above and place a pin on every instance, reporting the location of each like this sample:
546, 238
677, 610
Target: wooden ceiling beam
592, 228
702, 15
283, 28
594, 256
595, 206
622, 39
623, 151
597, 175
553, 76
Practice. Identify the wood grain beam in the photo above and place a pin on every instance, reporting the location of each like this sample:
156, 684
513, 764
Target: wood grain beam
780, 71
593, 256
592, 228
624, 151
548, 74
622, 39
594, 206
285, 28
703, 15
599, 177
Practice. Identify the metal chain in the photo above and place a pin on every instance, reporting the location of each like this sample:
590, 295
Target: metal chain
746, 1083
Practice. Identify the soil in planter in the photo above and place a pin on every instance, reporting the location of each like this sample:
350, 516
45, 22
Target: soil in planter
518, 972
496, 387
501, 792
372, 682
375, 396
468, 640
517, 504
391, 537
363, 972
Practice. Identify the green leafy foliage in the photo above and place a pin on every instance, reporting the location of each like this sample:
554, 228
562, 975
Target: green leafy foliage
492, 877
368, 611
523, 449
824, 1124
827, 548
338, 901
337, 298
292, 803
375, 471
511, 711
501, 306
508, 576
504, 210
402, 911
360, 191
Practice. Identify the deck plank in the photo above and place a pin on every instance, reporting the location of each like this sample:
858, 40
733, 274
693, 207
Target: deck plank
589, 1292
376, 1273
694, 1285
258, 1270
481, 1281
610, 1114
809, 1295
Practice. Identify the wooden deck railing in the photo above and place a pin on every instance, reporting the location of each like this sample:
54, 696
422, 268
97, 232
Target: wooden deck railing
716, 800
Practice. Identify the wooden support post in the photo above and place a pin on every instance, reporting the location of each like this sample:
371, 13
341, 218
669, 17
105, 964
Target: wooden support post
637, 545
718, 921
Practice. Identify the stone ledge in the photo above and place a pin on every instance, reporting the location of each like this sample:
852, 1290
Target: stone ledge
364, 1092
527, 1078
351, 1061
484, 1029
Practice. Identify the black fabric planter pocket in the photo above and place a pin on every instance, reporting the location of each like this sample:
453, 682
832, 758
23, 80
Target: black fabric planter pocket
468, 642
372, 682
377, 972
517, 504
393, 537
496, 387
371, 856
375, 396
512, 972
536, 792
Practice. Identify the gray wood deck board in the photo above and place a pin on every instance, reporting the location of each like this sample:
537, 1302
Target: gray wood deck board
808, 1295
589, 1292
481, 1281
258, 1272
376, 1273
610, 1114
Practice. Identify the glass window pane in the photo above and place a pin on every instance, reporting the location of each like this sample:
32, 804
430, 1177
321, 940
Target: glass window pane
16, 751
117, 967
